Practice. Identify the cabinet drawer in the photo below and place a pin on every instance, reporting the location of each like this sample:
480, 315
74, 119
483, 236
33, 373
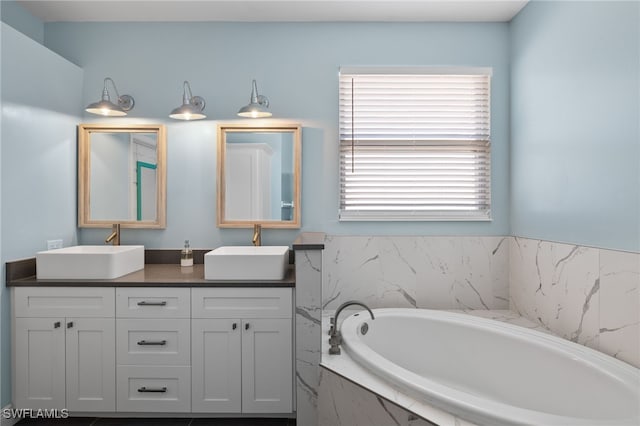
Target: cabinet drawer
153, 341
137, 302
241, 302
153, 389
43, 302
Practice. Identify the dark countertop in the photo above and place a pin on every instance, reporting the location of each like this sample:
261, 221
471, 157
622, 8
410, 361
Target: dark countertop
309, 241
21, 273
162, 269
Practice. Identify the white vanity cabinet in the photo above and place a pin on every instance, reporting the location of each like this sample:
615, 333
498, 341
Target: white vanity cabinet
63, 348
242, 350
153, 349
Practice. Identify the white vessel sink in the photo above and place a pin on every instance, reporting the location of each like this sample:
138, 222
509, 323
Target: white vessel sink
89, 262
246, 263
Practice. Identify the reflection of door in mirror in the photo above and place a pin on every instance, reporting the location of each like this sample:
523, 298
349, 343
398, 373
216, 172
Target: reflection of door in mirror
123, 176
259, 176
248, 169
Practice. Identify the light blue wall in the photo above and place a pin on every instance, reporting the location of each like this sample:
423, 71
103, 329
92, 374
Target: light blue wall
575, 123
19, 18
296, 66
41, 94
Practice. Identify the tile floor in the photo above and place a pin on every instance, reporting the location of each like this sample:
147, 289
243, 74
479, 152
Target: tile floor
90, 421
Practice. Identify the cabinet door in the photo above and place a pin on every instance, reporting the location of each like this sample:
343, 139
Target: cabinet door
215, 366
267, 368
39, 363
91, 364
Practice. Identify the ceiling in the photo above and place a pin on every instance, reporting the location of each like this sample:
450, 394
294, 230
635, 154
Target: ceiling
268, 10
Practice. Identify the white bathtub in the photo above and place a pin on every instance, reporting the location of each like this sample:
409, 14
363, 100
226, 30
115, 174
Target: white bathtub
492, 373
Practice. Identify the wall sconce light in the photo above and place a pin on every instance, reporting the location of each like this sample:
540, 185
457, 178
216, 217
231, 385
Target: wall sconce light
192, 106
106, 107
258, 105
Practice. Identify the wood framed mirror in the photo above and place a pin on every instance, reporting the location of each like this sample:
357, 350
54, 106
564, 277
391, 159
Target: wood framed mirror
259, 175
122, 175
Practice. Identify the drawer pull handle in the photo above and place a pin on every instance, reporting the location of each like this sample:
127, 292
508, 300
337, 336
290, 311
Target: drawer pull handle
70, 324
145, 303
234, 326
246, 326
56, 324
152, 343
157, 390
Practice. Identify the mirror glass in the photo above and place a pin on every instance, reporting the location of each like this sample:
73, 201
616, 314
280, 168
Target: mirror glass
121, 176
259, 176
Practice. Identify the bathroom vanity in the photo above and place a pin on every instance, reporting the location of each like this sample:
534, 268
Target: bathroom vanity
159, 340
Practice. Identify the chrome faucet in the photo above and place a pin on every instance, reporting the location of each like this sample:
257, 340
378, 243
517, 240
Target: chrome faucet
257, 235
335, 338
114, 237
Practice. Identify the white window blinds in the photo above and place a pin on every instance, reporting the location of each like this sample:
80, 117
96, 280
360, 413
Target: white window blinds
415, 144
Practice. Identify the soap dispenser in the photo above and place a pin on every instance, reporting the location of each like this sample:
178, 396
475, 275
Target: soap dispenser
186, 256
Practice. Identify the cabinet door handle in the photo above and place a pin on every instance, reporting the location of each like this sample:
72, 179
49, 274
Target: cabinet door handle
234, 326
56, 324
152, 343
246, 326
157, 390
146, 303
70, 324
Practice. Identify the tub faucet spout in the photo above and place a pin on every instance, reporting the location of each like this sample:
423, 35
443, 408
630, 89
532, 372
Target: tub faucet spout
335, 338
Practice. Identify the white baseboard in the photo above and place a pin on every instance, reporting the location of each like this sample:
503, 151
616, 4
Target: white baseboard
7, 422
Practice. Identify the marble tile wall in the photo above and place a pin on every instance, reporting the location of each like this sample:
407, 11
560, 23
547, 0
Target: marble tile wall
418, 272
587, 295
343, 403
308, 328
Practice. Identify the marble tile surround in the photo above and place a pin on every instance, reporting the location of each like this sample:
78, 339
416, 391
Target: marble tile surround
343, 403
417, 272
308, 324
587, 295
